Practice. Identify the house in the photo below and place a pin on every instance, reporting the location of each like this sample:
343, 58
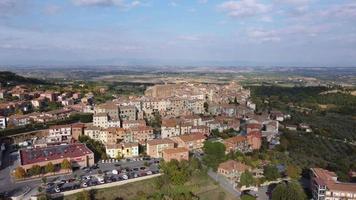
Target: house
232, 169
122, 150
237, 143
170, 128
305, 127
192, 141
155, 147
291, 127
277, 115
180, 153
19, 120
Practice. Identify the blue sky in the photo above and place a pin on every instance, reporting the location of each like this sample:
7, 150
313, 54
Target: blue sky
178, 32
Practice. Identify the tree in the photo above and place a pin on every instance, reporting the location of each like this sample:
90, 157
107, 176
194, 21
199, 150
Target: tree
293, 172
20, 172
247, 179
288, 191
49, 168
271, 173
35, 170
206, 107
214, 154
66, 164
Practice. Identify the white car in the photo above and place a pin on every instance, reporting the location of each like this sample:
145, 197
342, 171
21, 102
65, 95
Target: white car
85, 184
125, 177
56, 189
149, 173
114, 171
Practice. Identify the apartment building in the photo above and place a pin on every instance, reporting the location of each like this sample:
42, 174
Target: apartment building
180, 153
142, 134
128, 112
190, 141
59, 134
155, 147
122, 150
325, 186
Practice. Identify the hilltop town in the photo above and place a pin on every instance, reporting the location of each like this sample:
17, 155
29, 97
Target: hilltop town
88, 138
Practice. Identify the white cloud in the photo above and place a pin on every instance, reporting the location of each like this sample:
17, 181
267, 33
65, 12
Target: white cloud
105, 3
189, 38
244, 8
295, 31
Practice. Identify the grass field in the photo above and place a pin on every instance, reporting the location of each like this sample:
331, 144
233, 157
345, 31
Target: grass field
204, 187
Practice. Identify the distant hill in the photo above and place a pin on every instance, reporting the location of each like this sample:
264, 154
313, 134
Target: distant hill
10, 78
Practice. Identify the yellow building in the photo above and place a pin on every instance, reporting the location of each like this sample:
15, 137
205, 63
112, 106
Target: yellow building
122, 150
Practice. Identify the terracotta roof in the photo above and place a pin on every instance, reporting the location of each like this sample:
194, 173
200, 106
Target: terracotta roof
169, 122
236, 139
233, 165
328, 178
192, 137
176, 150
32, 156
160, 141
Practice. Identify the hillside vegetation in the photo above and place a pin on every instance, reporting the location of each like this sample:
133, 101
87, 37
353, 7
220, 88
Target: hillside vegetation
10, 78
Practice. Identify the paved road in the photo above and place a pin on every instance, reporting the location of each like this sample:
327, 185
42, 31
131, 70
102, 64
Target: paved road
224, 183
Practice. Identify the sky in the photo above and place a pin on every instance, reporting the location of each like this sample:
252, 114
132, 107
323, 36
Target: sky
178, 32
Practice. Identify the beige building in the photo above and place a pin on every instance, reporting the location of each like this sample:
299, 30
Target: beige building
155, 147
180, 153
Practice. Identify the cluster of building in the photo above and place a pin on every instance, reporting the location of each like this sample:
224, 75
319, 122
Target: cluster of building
189, 113
28, 101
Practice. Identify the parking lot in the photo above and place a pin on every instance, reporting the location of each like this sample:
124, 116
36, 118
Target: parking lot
101, 173
104, 172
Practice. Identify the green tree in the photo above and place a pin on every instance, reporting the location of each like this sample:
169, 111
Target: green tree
288, 191
66, 164
271, 172
49, 168
214, 154
293, 172
247, 179
35, 170
20, 172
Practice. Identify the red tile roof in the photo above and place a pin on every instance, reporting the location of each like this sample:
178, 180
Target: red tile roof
32, 156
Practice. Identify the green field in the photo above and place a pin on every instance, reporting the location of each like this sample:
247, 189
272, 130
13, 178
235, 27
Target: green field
203, 187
